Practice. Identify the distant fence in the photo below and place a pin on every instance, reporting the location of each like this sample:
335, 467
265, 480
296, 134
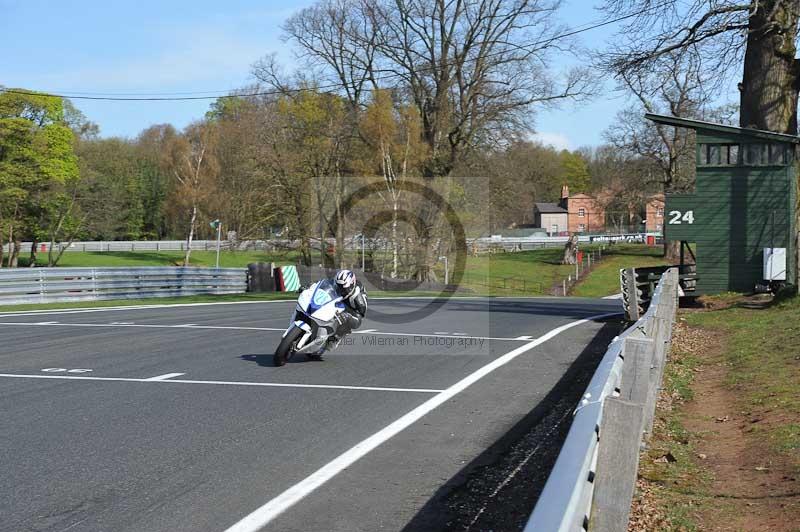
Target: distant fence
592, 482
46, 285
480, 245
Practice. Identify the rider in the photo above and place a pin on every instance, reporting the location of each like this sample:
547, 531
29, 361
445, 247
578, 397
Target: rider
355, 299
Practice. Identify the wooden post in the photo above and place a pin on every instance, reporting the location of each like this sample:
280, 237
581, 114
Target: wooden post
617, 464
635, 380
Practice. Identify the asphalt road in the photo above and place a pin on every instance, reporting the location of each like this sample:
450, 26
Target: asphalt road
173, 418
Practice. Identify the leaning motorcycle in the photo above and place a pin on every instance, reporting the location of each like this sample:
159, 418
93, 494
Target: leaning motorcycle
312, 324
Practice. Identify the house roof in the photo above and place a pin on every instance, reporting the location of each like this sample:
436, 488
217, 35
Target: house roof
550, 208
721, 128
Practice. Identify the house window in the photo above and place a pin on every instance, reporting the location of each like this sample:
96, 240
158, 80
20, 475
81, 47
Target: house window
660, 212
581, 212
581, 228
554, 228
658, 227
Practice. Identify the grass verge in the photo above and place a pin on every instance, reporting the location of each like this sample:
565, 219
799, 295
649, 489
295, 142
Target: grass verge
728, 422
603, 279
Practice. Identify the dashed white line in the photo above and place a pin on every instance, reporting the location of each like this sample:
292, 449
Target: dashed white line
273, 508
164, 377
527, 337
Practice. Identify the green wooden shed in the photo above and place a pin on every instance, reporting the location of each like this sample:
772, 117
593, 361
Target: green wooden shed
739, 224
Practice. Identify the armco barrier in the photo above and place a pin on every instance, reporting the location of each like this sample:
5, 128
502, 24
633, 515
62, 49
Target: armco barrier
46, 285
592, 482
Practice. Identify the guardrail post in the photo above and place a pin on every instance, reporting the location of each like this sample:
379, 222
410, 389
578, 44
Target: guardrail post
42, 285
635, 379
94, 284
617, 463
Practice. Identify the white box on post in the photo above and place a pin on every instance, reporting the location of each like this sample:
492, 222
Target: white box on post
775, 264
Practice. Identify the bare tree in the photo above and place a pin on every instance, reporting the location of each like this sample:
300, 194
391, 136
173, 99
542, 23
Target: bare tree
675, 85
191, 160
473, 68
758, 36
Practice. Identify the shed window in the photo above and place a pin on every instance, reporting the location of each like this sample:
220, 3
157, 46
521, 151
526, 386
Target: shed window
581, 228
777, 154
718, 155
581, 212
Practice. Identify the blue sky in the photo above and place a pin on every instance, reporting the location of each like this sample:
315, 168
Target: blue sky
179, 46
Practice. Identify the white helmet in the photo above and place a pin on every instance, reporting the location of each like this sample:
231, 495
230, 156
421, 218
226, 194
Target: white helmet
345, 282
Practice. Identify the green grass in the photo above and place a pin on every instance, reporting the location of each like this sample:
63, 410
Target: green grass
764, 362
227, 259
603, 280
528, 273
525, 272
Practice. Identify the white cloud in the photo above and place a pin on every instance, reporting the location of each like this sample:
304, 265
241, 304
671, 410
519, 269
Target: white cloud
558, 141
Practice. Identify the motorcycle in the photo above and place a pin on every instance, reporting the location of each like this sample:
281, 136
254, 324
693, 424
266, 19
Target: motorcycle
313, 322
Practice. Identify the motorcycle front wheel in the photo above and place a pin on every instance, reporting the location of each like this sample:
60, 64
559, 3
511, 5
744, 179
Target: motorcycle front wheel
287, 346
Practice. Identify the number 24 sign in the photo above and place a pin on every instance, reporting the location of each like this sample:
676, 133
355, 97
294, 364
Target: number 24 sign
678, 217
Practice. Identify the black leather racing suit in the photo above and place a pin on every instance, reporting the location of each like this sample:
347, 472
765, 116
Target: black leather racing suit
355, 310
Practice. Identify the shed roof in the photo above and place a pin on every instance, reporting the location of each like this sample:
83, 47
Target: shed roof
550, 208
721, 128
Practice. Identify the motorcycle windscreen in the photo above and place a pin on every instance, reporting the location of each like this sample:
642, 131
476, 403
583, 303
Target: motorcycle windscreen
324, 293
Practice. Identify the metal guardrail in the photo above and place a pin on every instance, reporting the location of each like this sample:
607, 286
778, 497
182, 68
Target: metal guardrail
49, 285
592, 482
482, 244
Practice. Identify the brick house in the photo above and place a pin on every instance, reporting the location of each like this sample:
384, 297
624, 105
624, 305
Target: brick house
585, 214
654, 214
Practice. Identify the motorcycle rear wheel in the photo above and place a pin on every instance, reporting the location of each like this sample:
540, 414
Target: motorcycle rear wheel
287, 347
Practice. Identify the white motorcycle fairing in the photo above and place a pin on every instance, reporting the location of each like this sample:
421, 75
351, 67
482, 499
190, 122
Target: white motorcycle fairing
317, 306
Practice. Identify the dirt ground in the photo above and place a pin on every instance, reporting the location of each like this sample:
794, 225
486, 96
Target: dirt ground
725, 477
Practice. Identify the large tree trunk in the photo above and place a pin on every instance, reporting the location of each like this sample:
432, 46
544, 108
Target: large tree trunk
571, 250
672, 251
770, 82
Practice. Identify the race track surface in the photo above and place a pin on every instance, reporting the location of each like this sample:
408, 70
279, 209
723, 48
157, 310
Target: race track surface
173, 418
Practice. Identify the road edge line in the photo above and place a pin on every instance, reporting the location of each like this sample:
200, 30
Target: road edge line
265, 514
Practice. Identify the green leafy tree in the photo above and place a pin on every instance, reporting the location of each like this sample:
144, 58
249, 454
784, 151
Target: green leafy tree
37, 163
576, 172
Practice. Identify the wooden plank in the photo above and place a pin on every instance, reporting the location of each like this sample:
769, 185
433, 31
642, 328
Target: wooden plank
635, 378
617, 464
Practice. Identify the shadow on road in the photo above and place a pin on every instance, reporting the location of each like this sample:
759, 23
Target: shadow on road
267, 360
499, 488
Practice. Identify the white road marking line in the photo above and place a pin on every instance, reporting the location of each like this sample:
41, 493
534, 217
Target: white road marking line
459, 334
122, 323
273, 508
170, 305
234, 328
442, 332
365, 331
47, 323
226, 383
615, 296
164, 377
526, 337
